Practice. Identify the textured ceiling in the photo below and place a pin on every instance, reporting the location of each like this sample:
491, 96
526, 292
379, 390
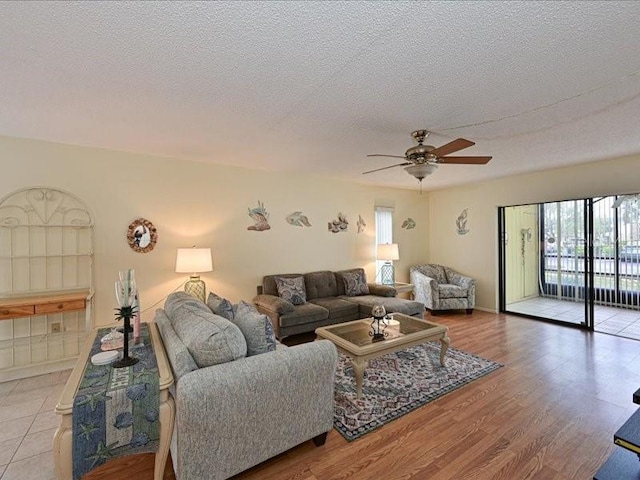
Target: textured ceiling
316, 86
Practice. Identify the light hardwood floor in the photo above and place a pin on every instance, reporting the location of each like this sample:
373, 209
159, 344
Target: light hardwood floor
548, 414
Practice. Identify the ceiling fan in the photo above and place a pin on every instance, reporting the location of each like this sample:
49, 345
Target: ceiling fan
422, 160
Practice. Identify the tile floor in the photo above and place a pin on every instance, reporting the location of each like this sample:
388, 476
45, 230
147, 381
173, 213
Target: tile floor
27, 425
616, 321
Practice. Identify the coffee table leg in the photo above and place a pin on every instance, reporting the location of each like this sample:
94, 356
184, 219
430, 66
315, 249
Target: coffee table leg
445, 341
359, 366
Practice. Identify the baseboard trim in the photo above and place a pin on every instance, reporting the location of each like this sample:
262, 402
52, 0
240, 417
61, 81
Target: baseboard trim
488, 310
18, 373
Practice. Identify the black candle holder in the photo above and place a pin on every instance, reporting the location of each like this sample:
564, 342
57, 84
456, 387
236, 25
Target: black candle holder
125, 313
378, 327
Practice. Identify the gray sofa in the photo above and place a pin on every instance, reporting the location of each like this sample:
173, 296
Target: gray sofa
327, 302
231, 416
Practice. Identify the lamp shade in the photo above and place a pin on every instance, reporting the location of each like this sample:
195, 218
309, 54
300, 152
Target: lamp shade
193, 260
388, 251
421, 170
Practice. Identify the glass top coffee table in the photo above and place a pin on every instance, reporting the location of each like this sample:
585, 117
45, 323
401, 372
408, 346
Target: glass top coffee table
355, 340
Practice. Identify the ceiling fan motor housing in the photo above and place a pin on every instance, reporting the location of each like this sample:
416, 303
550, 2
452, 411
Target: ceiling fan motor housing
420, 153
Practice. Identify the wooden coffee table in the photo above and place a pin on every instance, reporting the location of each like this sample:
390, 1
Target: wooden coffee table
354, 340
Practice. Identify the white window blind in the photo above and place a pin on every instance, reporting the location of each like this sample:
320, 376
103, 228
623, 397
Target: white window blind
384, 232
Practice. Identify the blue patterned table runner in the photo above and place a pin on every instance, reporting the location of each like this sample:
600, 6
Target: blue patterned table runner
115, 411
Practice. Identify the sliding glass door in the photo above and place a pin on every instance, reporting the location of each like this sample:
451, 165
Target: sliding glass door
546, 261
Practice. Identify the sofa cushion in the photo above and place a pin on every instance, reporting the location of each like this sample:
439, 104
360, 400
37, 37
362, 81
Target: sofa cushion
307, 313
340, 278
338, 308
292, 289
355, 284
391, 305
446, 290
256, 328
210, 339
320, 284
220, 306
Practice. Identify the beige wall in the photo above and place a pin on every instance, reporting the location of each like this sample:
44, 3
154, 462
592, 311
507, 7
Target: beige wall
475, 254
194, 203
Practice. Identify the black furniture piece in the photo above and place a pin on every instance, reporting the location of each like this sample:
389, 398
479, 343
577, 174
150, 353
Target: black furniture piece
624, 463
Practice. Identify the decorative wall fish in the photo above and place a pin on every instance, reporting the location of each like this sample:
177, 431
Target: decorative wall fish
260, 216
298, 219
461, 223
408, 224
361, 224
339, 225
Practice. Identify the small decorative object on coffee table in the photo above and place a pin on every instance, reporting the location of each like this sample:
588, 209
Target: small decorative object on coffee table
377, 324
126, 295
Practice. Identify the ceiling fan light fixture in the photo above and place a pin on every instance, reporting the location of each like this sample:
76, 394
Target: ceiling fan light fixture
421, 170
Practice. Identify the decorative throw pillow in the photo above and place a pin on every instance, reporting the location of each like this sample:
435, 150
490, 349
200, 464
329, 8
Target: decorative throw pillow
355, 284
292, 289
220, 306
256, 328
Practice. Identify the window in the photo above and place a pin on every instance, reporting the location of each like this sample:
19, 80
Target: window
384, 232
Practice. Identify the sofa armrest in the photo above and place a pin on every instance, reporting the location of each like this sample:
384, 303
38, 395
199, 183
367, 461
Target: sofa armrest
243, 412
274, 304
382, 290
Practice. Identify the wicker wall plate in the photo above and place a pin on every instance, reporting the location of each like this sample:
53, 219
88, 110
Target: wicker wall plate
142, 235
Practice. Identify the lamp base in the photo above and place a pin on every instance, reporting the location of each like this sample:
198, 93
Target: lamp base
196, 288
387, 274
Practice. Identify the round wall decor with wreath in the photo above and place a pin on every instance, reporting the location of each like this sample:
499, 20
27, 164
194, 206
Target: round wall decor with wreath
142, 235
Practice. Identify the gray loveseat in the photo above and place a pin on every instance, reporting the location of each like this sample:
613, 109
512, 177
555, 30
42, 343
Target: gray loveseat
327, 302
231, 416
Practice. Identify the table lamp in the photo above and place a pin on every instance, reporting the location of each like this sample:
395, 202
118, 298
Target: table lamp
194, 260
388, 252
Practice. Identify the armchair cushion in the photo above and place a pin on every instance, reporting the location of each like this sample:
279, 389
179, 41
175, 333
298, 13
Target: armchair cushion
447, 290
292, 289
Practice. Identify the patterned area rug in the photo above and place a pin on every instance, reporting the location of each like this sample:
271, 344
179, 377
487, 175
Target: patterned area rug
398, 383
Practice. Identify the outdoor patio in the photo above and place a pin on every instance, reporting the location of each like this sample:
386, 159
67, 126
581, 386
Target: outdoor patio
616, 321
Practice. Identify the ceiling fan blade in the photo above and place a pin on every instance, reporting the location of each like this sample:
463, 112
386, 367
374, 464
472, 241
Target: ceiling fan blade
465, 160
383, 155
451, 147
390, 166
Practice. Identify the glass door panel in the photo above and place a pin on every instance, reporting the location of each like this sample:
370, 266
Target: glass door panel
545, 261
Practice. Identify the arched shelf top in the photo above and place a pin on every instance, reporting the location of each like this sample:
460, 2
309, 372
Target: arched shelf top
45, 207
